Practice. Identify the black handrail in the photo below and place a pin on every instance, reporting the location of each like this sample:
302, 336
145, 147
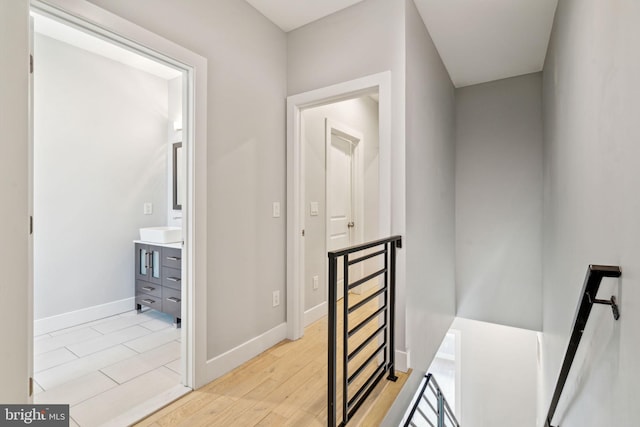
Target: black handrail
383, 354
441, 411
595, 274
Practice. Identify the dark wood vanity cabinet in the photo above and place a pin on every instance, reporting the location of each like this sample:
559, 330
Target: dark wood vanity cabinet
158, 279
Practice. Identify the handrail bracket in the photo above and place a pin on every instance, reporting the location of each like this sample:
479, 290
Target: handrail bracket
612, 302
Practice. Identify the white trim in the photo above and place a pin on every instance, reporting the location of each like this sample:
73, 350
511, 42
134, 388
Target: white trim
84, 315
235, 357
194, 68
403, 359
295, 196
315, 313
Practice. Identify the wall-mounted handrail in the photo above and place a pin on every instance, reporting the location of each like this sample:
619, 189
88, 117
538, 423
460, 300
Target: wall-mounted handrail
595, 274
381, 359
435, 414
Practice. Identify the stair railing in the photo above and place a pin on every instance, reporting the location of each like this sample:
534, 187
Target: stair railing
594, 276
381, 359
430, 407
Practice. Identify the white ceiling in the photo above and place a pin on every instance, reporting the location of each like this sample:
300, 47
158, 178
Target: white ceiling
478, 40
485, 40
291, 14
82, 40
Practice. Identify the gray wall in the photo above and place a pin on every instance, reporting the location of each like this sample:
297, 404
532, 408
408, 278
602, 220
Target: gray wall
430, 157
591, 216
100, 138
246, 162
360, 114
338, 48
499, 201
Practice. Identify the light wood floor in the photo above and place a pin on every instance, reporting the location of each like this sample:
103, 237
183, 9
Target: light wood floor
284, 386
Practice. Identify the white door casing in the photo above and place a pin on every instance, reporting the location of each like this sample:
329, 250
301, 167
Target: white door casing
380, 83
91, 18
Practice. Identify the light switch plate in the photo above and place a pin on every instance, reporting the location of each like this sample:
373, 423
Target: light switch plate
315, 283
276, 209
314, 209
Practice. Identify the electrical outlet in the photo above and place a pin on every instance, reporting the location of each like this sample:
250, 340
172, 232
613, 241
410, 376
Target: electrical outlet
276, 298
315, 283
148, 208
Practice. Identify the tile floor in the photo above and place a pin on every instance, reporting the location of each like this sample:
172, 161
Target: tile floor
107, 368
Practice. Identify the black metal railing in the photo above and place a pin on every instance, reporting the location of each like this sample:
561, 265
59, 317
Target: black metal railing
595, 274
365, 357
430, 407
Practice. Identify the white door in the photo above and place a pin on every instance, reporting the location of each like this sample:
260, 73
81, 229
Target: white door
343, 212
340, 199
15, 304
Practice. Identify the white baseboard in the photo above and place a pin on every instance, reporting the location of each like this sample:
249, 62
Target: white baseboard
402, 361
315, 313
235, 357
89, 314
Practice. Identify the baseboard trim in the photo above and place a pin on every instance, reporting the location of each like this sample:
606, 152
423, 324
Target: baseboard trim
403, 360
235, 357
315, 313
89, 314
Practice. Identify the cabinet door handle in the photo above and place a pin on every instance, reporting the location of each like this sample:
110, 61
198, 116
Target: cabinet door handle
173, 258
173, 279
149, 301
148, 288
173, 299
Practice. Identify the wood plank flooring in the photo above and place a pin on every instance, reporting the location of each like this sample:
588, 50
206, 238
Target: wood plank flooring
284, 386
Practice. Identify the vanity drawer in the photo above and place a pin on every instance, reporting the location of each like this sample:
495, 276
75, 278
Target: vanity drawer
172, 302
149, 289
149, 301
172, 258
172, 278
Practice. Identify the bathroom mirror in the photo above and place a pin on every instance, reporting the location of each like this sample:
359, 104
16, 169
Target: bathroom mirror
178, 176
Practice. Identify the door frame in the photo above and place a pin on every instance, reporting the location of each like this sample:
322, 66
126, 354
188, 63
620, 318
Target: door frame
90, 18
381, 83
356, 138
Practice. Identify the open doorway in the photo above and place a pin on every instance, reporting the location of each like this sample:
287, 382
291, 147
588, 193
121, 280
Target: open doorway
314, 118
107, 144
341, 189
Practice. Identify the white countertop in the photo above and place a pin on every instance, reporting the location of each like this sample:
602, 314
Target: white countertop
175, 245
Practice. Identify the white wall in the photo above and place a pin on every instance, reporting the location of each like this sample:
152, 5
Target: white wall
590, 104
360, 114
15, 310
430, 158
99, 154
499, 201
246, 57
498, 370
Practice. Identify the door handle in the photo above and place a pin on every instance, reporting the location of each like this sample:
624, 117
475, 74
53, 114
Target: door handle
351, 224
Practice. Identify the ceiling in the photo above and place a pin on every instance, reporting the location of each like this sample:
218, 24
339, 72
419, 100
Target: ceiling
478, 40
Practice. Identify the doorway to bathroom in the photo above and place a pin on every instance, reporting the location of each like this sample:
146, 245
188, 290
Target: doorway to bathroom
109, 135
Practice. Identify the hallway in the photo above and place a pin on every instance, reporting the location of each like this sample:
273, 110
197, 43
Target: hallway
284, 386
